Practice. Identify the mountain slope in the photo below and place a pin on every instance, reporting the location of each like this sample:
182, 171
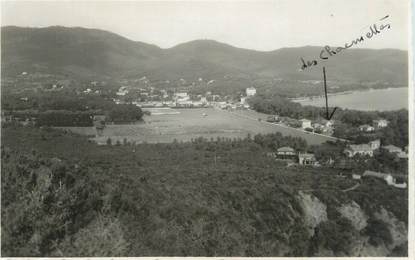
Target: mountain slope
95, 53
59, 48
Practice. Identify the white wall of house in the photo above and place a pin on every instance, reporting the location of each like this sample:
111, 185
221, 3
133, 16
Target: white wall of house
250, 91
306, 124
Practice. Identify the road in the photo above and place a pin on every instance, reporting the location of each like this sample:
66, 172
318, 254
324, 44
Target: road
352, 188
288, 127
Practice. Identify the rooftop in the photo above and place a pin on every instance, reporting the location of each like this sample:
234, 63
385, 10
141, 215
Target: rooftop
285, 149
306, 155
360, 147
375, 174
392, 148
99, 117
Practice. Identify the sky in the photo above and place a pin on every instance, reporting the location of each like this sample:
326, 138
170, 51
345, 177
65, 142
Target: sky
259, 25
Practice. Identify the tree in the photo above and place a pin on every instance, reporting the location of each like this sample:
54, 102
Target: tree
125, 113
40, 203
336, 235
378, 232
102, 237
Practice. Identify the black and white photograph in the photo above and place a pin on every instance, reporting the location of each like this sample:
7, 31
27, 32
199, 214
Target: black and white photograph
277, 128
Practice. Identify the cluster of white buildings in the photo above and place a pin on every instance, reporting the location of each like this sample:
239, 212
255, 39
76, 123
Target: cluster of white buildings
362, 149
369, 149
288, 153
377, 124
183, 99
326, 126
322, 125
160, 98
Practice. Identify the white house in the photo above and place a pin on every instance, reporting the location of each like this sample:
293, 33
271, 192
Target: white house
305, 123
122, 91
356, 176
250, 91
366, 128
326, 123
324, 126
306, 159
243, 100
380, 123
182, 97
400, 185
361, 149
286, 151
392, 149
375, 144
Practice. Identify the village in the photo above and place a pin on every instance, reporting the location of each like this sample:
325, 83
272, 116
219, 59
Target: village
287, 154
205, 129
145, 96
142, 93
149, 97
352, 152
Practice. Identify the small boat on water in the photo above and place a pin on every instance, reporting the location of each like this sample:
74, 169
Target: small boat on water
204, 114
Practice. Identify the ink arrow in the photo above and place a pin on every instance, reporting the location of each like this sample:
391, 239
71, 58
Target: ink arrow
328, 116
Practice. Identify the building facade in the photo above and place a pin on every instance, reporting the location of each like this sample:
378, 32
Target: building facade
250, 91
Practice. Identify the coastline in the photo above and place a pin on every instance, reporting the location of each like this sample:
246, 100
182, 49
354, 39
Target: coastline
309, 98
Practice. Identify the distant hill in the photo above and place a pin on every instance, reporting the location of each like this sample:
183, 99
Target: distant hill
95, 53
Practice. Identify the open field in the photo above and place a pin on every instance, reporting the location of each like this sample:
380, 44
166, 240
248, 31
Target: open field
191, 123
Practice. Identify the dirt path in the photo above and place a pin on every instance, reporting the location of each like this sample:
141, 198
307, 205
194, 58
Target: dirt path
352, 188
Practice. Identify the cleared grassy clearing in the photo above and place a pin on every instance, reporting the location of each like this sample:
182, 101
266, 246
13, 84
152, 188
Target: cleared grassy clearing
191, 123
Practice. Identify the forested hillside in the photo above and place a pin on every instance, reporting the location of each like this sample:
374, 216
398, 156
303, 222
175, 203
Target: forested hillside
65, 196
90, 53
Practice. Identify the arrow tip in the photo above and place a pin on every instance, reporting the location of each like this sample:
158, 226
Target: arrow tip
332, 113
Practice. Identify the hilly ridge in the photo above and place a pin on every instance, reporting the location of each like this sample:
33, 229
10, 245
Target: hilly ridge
92, 53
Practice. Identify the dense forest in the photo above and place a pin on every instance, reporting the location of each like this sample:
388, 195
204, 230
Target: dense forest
67, 108
65, 196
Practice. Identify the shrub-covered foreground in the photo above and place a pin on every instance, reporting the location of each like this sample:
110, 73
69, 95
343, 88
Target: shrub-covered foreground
64, 196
